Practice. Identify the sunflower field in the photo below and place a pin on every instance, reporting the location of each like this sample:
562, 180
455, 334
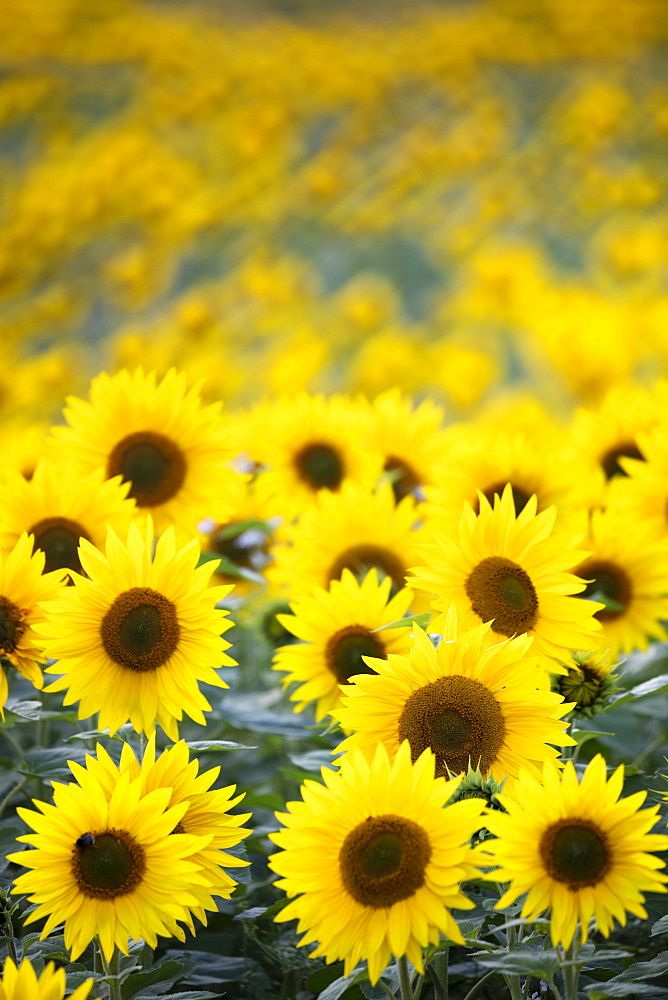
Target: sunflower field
334, 506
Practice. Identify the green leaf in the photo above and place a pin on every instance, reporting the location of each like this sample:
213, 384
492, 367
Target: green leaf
167, 970
51, 763
339, 986
522, 962
661, 926
655, 685
582, 736
243, 711
239, 527
313, 760
645, 970
190, 995
210, 968
422, 620
614, 989
202, 746
32, 711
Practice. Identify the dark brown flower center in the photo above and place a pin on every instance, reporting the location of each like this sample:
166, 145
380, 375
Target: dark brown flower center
361, 558
456, 717
345, 649
107, 864
320, 466
58, 538
576, 852
248, 549
610, 459
12, 626
501, 591
383, 860
520, 497
406, 480
140, 630
609, 584
153, 464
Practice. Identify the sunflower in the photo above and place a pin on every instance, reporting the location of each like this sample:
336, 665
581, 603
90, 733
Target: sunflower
59, 507
157, 437
338, 627
207, 815
628, 571
22, 983
356, 529
112, 867
473, 707
23, 586
485, 459
244, 539
23, 444
308, 444
642, 493
588, 683
377, 858
605, 437
410, 439
511, 571
134, 637
574, 847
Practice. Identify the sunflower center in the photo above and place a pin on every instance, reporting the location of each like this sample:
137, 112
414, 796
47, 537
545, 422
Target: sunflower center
153, 464
576, 852
58, 538
140, 630
12, 625
406, 480
320, 466
345, 649
383, 860
456, 717
502, 591
361, 558
520, 497
610, 584
108, 864
610, 460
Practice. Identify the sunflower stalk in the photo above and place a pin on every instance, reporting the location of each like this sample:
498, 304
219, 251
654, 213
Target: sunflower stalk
111, 972
405, 980
513, 982
439, 974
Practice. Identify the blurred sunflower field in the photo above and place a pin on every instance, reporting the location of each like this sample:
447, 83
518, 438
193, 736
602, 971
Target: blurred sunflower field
334, 507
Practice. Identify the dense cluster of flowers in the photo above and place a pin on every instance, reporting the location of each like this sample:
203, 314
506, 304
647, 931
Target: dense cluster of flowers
375, 325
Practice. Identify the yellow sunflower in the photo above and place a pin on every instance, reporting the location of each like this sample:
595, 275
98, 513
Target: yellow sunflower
339, 627
22, 983
410, 439
59, 507
245, 539
23, 586
158, 437
109, 867
356, 529
471, 706
135, 636
627, 570
511, 571
575, 848
23, 445
485, 459
604, 437
377, 857
308, 444
642, 494
207, 813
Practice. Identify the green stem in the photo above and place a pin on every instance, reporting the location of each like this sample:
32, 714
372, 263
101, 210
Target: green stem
513, 981
570, 969
404, 978
472, 992
112, 976
11, 793
388, 992
439, 974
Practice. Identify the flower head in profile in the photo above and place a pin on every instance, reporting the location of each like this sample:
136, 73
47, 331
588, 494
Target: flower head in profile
23, 586
136, 635
22, 983
574, 847
375, 858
